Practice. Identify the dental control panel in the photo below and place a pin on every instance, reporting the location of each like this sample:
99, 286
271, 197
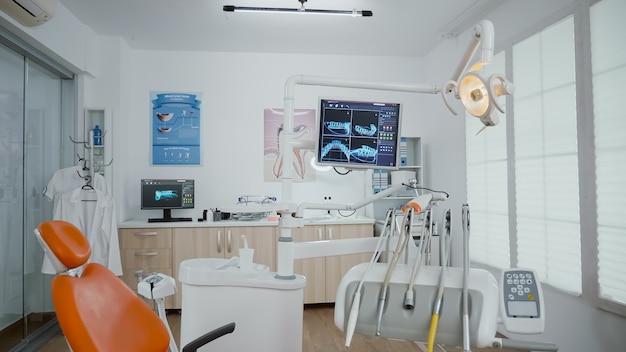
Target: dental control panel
157, 285
521, 302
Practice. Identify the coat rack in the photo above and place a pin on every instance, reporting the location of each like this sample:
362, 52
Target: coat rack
89, 164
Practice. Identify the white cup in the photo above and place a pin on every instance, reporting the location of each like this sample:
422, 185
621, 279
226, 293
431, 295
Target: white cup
246, 256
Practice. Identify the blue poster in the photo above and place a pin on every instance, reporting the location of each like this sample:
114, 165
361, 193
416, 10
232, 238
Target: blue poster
175, 128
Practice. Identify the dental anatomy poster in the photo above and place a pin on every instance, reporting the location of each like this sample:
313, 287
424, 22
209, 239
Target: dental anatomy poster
175, 128
274, 146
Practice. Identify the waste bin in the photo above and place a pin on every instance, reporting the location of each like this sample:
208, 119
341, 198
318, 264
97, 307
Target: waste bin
268, 312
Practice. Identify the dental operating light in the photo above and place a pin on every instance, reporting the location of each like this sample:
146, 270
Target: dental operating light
300, 10
478, 95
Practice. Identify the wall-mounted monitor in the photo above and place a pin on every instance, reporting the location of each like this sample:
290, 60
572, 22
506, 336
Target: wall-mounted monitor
358, 134
167, 194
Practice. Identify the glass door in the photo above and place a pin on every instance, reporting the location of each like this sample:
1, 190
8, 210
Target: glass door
30, 152
11, 198
41, 140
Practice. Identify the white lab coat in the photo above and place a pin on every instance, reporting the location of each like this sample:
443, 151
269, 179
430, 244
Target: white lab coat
90, 210
69, 178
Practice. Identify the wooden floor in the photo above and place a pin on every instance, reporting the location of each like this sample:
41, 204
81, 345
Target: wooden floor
319, 335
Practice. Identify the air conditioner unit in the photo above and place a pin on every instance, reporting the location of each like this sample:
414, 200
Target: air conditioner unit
29, 12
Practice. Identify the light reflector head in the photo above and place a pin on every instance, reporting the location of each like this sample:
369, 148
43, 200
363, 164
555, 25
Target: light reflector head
474, 95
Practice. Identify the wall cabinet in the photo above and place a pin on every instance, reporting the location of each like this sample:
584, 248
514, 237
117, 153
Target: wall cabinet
221, 242
411, 159
324, 274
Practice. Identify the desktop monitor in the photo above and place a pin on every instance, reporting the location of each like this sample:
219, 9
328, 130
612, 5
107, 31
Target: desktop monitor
167, 194
358, 134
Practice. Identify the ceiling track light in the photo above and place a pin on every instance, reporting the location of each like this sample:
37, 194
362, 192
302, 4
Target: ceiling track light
300, 10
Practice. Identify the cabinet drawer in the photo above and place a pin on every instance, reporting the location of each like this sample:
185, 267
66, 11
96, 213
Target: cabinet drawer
146, 258
145, 238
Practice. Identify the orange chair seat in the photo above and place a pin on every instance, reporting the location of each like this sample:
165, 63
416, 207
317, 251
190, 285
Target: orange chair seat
98, 312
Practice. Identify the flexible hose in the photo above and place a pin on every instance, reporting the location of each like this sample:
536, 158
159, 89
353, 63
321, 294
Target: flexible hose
392, 265
466, 227
356, 301
434, 322
400, 247
409, 296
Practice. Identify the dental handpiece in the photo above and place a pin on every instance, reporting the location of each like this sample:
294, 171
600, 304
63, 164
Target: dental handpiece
381, 306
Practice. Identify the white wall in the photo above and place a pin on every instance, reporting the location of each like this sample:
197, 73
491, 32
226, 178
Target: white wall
235, 89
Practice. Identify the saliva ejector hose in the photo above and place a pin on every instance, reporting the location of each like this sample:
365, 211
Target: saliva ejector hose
356, 301
434, 321
402, 243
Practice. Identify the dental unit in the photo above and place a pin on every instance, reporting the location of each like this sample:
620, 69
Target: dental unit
370, 297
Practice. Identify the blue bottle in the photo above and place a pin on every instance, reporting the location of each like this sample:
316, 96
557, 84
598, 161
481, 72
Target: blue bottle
97, 135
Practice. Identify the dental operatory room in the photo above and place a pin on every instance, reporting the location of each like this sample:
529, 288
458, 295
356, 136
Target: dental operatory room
312, 175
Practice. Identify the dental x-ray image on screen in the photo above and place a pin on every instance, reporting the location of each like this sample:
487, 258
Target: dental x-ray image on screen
358, 134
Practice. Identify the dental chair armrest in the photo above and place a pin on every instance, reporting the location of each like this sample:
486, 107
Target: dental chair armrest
208, 337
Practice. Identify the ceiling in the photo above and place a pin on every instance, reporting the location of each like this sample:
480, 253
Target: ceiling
397, 28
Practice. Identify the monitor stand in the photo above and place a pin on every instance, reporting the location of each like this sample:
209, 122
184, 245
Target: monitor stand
167, 217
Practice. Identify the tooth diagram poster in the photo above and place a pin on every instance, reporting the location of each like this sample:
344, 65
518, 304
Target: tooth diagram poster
175, 128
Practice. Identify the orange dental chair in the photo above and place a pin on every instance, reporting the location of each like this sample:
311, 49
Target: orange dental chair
95, 309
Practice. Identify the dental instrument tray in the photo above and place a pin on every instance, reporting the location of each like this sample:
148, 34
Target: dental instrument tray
250, 208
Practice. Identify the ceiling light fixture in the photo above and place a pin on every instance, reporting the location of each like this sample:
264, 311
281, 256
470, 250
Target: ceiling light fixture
301, 10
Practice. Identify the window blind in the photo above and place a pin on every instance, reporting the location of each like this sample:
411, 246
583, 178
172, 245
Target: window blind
546, 165
608, 35
487, 194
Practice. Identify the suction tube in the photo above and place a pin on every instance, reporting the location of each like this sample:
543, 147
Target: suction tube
382, 298
356, 301
434, 322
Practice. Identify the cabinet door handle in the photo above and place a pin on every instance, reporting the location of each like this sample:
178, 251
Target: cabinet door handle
320, 236
219, 241
145, 254
145, 233
330, 233
228, 248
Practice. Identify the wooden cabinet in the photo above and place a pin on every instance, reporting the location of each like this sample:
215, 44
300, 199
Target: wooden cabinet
162, 249
221, 242
147, 249
324, 274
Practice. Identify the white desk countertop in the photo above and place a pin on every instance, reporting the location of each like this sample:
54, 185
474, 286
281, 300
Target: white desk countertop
143, 223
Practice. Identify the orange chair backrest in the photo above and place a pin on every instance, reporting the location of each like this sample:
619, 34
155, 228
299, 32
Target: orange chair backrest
66, 242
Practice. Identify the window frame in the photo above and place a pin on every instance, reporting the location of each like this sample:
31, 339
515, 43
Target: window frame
590, 290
